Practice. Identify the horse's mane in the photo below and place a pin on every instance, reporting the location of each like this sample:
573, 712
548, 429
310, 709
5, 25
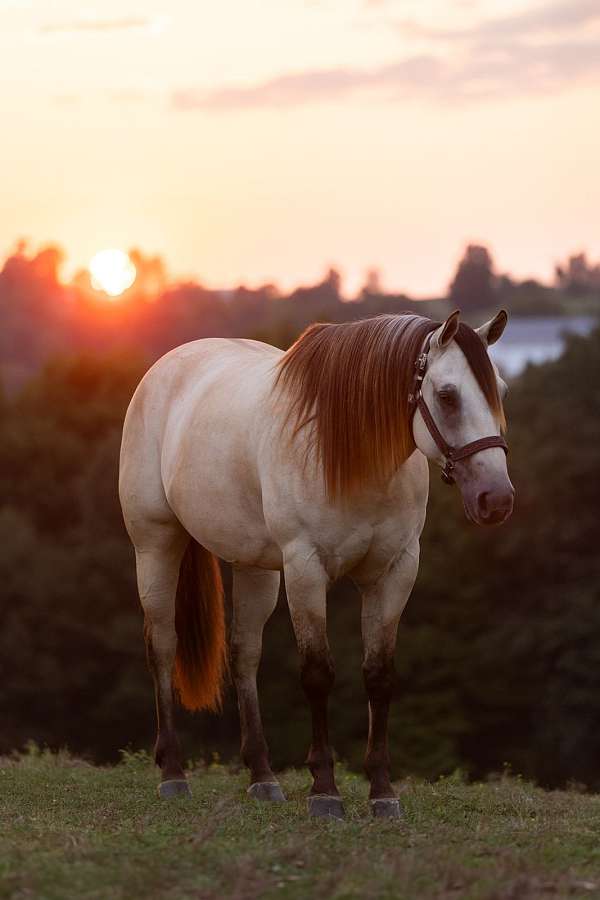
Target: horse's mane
352, 381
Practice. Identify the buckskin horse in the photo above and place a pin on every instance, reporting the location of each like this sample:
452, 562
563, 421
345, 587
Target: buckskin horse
312, 462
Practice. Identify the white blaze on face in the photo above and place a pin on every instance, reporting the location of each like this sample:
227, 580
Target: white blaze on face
112, 271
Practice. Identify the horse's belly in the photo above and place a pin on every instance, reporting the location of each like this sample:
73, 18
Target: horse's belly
237, 540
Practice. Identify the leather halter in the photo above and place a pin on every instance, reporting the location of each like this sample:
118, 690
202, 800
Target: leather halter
451, 454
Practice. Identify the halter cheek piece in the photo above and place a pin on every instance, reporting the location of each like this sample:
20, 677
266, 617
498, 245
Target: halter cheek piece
451, 454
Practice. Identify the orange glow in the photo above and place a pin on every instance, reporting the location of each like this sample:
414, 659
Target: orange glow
260, 164
112, 271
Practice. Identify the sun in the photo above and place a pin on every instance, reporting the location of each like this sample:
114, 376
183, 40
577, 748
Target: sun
112, 271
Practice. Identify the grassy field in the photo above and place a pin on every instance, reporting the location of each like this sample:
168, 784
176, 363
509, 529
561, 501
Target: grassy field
71, 830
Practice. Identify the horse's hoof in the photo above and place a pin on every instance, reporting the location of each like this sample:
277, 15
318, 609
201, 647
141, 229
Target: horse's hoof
323, 807
386, 809
176, 787
268, 791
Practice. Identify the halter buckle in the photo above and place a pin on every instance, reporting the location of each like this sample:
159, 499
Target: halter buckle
447, 476
421, 362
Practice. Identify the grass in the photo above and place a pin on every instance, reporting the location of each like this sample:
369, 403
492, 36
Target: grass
72, 830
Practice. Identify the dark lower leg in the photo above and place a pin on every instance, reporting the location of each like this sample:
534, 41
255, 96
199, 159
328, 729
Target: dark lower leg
379, 681
167, 751
306, 585
317, 680
254, 599
254, 750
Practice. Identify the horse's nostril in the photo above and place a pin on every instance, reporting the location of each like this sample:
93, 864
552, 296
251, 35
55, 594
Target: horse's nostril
494, 506
482, 504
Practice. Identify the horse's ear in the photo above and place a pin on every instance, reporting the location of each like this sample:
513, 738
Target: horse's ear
447, 330
492, 331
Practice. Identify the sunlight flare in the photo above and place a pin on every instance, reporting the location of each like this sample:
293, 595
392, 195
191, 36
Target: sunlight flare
112, 271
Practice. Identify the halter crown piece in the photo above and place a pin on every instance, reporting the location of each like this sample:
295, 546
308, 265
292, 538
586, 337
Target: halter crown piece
451, 454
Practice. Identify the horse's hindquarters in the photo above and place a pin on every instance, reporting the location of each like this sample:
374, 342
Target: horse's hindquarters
191, 443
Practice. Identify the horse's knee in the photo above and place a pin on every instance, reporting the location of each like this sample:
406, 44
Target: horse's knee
159, 613
244, 660
317, 674
380, 677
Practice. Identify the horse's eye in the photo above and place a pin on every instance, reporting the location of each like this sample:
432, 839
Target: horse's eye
448, 397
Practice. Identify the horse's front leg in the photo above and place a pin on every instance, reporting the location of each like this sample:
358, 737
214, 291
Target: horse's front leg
383, 603
254, 599
306, 587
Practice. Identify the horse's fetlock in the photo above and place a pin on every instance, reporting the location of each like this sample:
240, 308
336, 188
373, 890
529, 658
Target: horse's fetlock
252, 748
160, 752
376, 761
167, 752
320, 760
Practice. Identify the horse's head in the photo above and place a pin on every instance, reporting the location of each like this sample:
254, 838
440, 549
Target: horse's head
462, 396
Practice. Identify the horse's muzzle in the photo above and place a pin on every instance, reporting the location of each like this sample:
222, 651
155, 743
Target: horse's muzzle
492, 507
487, 497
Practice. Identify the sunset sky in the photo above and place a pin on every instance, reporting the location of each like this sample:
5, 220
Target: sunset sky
255, 140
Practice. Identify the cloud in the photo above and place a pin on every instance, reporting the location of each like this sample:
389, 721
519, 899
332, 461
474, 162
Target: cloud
310, 86
140, 23
495, 58
553, 17
521, 69
491, 71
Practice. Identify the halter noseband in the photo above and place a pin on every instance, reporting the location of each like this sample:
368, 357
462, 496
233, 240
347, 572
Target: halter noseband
451, 454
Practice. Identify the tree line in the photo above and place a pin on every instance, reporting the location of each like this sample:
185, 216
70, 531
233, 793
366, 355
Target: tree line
42, 316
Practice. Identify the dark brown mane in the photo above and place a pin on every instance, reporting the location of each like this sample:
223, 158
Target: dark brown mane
352, 381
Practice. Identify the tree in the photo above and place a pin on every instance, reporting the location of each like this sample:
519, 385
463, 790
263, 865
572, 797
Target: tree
577, 275
372, 286
473, 285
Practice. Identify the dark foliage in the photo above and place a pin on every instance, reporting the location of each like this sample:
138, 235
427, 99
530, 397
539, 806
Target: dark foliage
499, 650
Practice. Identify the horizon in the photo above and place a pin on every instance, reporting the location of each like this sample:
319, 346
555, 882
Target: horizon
252, 143
113, 274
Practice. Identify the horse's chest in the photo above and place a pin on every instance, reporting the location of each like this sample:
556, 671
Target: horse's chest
341, 550
365, 546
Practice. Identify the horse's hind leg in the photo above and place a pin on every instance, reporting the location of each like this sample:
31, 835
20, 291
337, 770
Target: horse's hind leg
383, 604
158, 566
306, 587
254, 599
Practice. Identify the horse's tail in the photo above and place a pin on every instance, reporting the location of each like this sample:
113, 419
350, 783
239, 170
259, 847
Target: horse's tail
201, 659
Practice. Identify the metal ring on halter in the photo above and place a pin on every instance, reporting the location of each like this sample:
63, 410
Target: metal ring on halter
447, 476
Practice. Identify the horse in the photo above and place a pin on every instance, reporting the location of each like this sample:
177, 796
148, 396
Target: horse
311, 462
